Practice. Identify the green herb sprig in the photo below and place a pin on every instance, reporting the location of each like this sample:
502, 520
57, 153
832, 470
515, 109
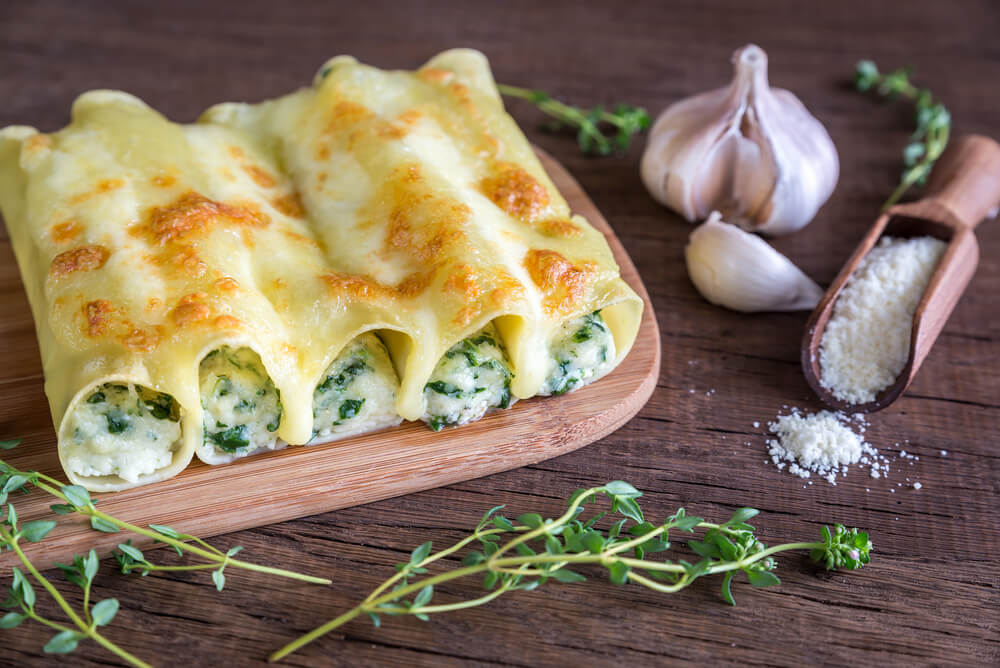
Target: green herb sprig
540, 550
87, 623
625, 121
933, 123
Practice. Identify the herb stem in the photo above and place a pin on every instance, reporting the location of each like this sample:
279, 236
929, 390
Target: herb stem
85, 628
211, 554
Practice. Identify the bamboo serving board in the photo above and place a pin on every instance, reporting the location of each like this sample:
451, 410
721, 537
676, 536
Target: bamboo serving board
299, 481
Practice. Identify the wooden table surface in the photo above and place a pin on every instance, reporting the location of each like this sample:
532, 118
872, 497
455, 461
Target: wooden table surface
930, 597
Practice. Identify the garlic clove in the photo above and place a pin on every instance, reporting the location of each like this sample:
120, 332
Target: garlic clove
742, 272
752, 152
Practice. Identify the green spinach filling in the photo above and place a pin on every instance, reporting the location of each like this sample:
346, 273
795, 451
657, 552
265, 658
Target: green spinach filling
242, 407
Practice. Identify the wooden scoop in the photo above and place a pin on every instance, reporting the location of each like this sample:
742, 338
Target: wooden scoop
964, 189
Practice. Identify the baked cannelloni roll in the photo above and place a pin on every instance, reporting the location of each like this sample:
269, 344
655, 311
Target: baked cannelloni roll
379, 246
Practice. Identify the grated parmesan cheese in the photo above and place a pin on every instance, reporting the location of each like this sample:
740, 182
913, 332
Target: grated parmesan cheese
866, 344
821, 443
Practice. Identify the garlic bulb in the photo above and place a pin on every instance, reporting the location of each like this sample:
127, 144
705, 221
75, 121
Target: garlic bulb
754, 153
741, 271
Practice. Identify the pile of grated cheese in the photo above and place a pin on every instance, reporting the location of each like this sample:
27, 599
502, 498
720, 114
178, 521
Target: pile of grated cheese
866, 343
822, 443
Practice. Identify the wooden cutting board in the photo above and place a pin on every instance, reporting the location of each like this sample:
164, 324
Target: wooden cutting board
299, 481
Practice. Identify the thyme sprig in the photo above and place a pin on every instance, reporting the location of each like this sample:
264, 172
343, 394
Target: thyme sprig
625, 121
933, 123
86, 624
539, 550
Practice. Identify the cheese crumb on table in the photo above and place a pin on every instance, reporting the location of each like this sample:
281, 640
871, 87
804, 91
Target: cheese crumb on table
866, 343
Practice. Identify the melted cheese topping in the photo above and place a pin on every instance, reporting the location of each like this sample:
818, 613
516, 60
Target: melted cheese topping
358, 392
472, 377
581, 351
242, 408
122, 430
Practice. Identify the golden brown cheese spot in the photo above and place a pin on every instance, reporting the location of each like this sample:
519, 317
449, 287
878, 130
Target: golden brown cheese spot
37, 143
228, 322
84, 258
366, 288
322, 176
435, 75
462, 282
236, 152
290, 205
260, 176
346, 113
516, 192
323, 153
466, 314
563, 283
66, 231
96, 314
559, 227
104, 186
153, 304
192, 213
140, 340
190, 309
164, 181
421, 225
227, 284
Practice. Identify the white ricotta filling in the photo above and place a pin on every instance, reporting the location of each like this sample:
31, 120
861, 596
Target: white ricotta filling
866, 343
357, 393
471, 378
581, 351
123, 430
242, 408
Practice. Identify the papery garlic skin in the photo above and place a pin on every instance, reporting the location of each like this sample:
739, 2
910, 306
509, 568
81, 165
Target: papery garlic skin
742, 272
752, 152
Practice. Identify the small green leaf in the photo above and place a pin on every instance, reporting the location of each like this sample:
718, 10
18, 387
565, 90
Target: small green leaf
567, 576
593, 541
62, 509
35, 531
376, 621
727, 594
420, 553
104, 611
490, 579
234, 550
473, 559
165, 530
12, 516
628, 507
11, 619
524, 550
618, 573
688, 522
61, 643
622, 489
90, 565
76, 495
742, 515
101, 524
488, 514
423, 596
502, 522
762, 578
133, 552
729, 551
10, 445
15, 482
704, 550
533, 520
576, 495
22, 585
421, 616
219, 578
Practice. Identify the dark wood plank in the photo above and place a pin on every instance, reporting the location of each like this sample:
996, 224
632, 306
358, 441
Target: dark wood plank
931, 595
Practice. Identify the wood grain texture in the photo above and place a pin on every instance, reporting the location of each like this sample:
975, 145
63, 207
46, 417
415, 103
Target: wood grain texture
299, 481
931, 594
